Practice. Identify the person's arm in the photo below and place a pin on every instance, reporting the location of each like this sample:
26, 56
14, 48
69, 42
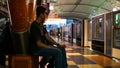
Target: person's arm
53, 41
40, 44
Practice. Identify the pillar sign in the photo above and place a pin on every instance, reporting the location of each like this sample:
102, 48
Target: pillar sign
18, 13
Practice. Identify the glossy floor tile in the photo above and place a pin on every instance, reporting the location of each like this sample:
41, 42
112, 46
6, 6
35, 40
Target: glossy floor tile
83, 57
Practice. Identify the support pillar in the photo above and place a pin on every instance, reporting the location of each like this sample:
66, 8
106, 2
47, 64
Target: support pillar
19, 19
18, 14
31, 10
19, 25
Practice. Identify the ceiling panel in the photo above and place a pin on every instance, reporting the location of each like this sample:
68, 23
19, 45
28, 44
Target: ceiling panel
66, 1
93, 2
108, 5
66, 7
74, 13
71, 15
84, 8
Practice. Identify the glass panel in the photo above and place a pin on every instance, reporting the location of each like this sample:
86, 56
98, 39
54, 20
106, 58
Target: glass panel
117, 30
97, 27
117, 38
90, 30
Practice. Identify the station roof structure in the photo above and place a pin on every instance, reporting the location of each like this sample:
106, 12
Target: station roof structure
83, 8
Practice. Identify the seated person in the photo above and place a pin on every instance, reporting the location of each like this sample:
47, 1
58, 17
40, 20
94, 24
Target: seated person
40, 38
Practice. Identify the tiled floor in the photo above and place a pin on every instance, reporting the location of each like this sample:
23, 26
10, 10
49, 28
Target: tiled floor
83, 57
79, 57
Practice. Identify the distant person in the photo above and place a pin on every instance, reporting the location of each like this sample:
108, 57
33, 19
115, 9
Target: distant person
43, 44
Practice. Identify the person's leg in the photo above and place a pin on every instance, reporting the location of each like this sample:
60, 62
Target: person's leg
64, 58
52, 52
51, 62
43, 62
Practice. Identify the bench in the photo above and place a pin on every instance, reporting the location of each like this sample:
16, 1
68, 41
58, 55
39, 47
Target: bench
19, 61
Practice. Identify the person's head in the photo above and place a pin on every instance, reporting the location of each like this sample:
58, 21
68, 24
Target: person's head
41, 13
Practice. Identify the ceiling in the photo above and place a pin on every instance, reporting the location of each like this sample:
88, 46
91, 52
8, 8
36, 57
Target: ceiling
83, 8
78, 9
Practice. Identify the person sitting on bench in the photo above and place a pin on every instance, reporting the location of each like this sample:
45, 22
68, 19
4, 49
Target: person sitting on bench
40, 38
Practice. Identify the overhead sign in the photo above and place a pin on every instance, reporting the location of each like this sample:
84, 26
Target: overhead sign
52, 1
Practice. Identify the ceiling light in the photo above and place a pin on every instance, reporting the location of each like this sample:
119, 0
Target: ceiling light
51, 8
114, 9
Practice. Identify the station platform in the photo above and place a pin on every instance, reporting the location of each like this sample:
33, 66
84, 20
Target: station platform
84, 57
79, 57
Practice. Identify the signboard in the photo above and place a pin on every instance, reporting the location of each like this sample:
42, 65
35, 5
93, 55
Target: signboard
52, 1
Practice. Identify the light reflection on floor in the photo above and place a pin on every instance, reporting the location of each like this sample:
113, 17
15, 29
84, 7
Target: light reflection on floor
79, 57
